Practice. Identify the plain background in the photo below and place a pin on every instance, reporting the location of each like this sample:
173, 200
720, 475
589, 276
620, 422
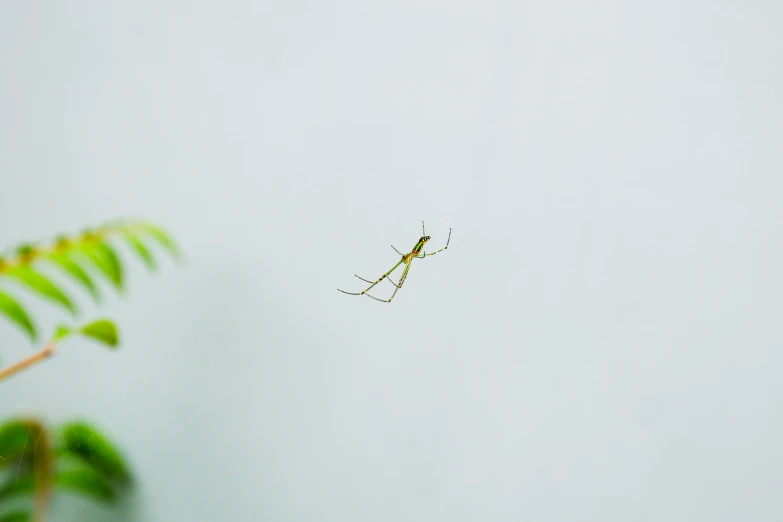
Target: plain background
601, 342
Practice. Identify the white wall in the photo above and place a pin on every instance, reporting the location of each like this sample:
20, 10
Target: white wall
600, 342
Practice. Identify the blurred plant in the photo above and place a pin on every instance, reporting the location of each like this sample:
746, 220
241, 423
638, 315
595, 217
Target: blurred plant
73, 457
82, 460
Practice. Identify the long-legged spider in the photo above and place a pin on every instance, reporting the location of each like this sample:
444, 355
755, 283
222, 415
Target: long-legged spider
406, 259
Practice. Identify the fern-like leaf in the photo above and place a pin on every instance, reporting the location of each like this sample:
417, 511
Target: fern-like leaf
141, 250
61, 332
163, 238
42, 285
106, 259
102, 330
11, 308
77, 257
75, 270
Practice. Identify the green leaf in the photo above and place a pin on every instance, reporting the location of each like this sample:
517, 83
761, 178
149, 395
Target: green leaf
164, 239
16, 516
102, 330
14, 311
18, 439
75, 270
16, 485
85, 442
142, 250
43, 286
88, 482
107, 260
13, 438
61, 333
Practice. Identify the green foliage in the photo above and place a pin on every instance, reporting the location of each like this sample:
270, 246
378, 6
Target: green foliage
141, 250
16, 516
161, 237
102, 330
84, 462
14, 442
77, 258
61, 332
75, 270
84, 442
87, 482
11, 308
30, 458
22, 484
36, 460
106, 260
40, 284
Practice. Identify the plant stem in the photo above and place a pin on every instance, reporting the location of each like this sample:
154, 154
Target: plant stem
38, 356
44, 473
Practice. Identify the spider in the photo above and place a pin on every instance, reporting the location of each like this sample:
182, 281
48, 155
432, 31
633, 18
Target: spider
406, 259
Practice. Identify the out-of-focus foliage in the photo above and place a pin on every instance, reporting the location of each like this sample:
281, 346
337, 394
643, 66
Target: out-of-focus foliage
80, 257
38, 461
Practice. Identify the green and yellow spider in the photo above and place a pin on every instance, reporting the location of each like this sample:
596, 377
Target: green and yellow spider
407, 259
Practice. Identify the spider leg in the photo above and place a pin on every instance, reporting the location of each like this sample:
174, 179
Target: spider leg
444, 248
375, 283
367, 281
402, 280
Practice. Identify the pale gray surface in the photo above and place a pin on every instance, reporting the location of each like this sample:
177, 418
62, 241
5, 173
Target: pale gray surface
602, 342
